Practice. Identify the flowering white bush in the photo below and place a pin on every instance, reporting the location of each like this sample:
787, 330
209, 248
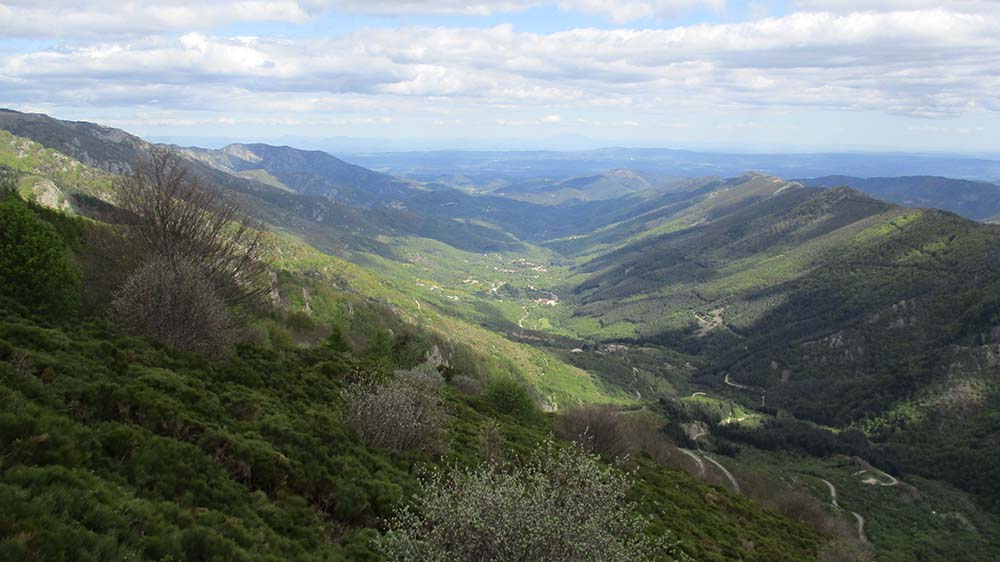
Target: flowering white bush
564, 506
403, 413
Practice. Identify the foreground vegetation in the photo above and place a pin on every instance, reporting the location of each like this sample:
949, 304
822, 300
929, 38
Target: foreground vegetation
872, 329
116, 447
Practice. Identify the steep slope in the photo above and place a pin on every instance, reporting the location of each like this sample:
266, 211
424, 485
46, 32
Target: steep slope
108, 149
49, 177
976, 200
327, 223
846, 310
117, 447
307, 172
699, 201
735, 239
303, 224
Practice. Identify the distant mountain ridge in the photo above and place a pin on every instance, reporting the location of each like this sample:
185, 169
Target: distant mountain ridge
309, 172
483, 168
611, 184
976, 200
332, 205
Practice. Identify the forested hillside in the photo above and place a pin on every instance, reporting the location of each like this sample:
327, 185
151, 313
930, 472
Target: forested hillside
117, 447
848, 312
765, 337
976, 200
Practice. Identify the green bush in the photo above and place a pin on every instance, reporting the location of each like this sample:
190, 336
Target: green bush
8, 181
35, 267
511, 396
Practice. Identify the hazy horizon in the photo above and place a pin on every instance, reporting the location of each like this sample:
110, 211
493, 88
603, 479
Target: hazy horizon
714, 75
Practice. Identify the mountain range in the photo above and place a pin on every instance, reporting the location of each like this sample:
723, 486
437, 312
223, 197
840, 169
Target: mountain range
865, 310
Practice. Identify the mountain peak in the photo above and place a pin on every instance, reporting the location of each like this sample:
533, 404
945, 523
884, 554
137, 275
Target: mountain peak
241, 151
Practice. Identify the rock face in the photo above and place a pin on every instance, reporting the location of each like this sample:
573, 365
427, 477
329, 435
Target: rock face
435, 359
48, 195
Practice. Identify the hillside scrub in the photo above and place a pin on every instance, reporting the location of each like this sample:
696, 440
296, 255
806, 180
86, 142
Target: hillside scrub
117, 447
173, 301
512, 397
35, 264
401, 414
170, 213
8, 181
563, 506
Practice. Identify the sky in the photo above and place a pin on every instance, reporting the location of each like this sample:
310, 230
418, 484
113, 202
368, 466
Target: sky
803, 75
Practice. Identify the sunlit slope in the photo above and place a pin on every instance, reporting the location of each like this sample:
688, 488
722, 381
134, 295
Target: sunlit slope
846, 310
557, 383
49, 177
301, 224
976, 200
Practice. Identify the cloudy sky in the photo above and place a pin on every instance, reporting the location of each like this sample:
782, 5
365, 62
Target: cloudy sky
760, 75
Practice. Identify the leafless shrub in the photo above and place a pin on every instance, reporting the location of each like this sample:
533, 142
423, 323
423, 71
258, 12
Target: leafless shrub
562, 506
173, 214
106, 262
467, 385
173, 301
491, 444
597, 428
646, 437
403, 413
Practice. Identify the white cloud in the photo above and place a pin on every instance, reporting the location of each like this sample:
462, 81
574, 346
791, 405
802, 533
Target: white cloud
624, 11
97, 18
929, 63
844, 6
546, 120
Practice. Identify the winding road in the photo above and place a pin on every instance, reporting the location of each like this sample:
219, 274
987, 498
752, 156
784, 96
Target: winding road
697, 459
731, 383
701, 465
857, 516
875, 481
732, 479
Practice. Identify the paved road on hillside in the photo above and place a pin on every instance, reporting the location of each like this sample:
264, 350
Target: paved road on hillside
701, 465
732, 479
857, 516
697, 459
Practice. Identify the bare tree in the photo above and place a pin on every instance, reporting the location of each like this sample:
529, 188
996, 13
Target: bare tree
170, 299
596, 428
171, 213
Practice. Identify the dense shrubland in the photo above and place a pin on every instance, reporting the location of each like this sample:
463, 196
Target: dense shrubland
119, 447
36, 267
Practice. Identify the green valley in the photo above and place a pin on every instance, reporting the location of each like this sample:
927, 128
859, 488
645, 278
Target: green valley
790, 372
